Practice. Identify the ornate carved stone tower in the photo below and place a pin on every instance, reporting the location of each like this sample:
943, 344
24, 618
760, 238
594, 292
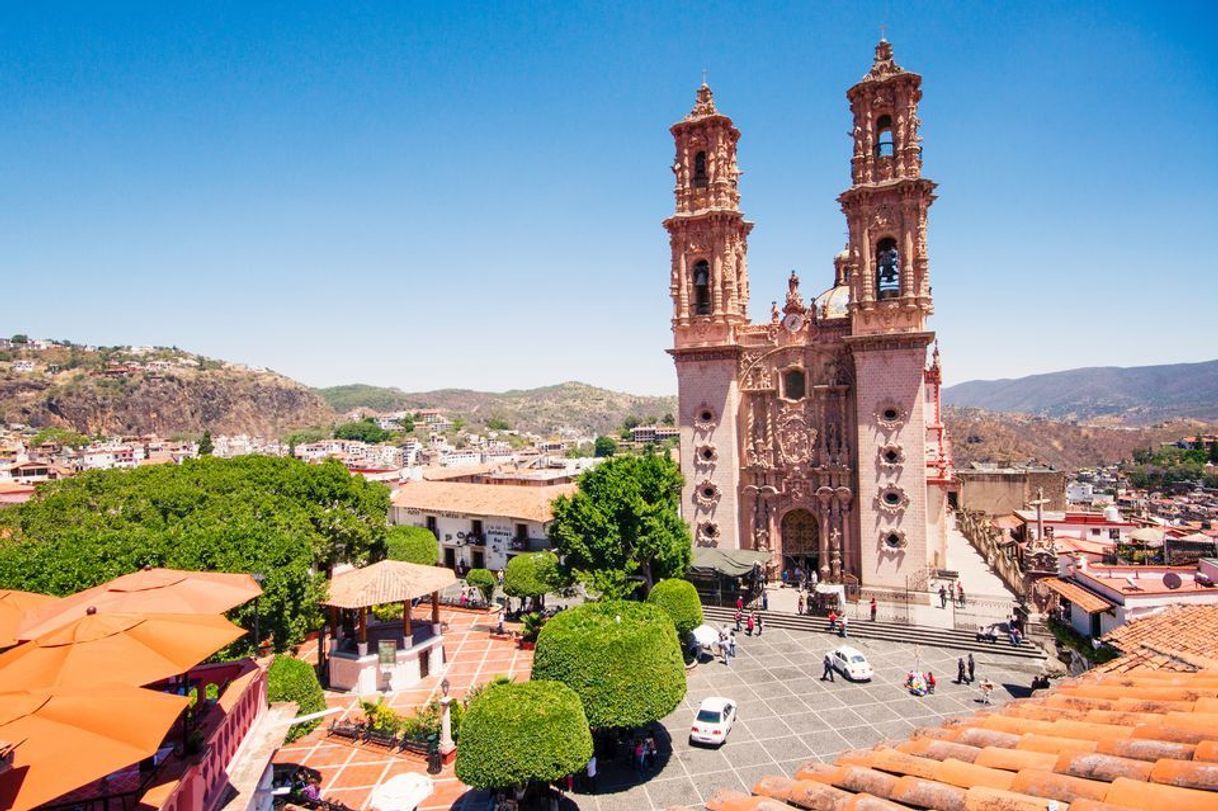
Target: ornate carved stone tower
710, 292
886, 208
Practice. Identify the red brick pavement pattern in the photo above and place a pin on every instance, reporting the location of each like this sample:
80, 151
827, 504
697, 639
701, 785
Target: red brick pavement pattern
349, 773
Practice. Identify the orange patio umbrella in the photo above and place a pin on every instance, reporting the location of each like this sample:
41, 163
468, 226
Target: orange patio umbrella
129, 649
155, 591
65, 739
15, 609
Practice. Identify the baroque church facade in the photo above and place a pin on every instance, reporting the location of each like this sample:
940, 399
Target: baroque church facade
815, 435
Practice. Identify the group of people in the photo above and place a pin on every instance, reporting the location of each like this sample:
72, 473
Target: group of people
920, 684
727, 645
750, 622
966, 673
839, 623
956, 595
797, 577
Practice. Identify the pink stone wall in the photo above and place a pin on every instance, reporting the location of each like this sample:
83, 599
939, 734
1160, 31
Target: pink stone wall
709, 384
884, 377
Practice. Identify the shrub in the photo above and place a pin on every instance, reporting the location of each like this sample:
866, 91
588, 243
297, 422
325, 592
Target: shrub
533, 574
679, 599
413, 545
621, 658
531, 625
517, 733
484, 581
290, 679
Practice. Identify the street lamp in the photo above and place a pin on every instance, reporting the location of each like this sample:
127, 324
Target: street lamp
259, 578
444, 685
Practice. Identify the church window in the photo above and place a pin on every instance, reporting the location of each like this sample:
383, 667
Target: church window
702, 297
888, 269
883, 137
894, 540
700, 177
793, 384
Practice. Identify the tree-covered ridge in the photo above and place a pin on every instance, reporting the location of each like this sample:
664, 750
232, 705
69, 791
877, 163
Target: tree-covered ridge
279, 517
362, 395
1167, 466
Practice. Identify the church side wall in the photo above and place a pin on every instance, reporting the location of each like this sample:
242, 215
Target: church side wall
884, 378
703, 385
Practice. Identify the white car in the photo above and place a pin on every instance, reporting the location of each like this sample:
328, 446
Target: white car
713, 721
851, 663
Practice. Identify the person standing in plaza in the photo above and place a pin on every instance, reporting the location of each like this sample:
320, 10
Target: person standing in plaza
930, 683
748, 625
960, 594
799, 606
731, 644
760, 622
739, 618
987, 690
961, 676
832, 619
765, 600
873, 607
942, 596
971, 668
739, 602
813, 579
827, 674
844, 632
591, 772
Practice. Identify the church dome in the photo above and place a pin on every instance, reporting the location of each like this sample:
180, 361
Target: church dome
833, 302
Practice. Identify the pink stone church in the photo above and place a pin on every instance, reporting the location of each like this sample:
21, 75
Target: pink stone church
815, 435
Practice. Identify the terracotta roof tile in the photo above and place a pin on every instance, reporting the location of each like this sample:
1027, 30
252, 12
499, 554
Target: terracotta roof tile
1132, 737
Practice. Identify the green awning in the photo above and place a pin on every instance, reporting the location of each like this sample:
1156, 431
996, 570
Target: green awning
708, 561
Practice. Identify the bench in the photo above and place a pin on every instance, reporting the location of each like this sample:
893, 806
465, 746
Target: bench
419, 746
386, 739
347, 729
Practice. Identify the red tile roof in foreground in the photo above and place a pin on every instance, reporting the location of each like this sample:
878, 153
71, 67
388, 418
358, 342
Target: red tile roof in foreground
1105, 741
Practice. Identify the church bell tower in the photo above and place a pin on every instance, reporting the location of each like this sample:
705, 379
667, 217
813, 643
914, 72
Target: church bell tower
709, 286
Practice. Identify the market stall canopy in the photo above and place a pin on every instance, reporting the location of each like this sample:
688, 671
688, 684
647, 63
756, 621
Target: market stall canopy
16, 608
148, 591
66, 738
129, 649
387, 581
404, 792
708, 561
705, 635
1151, 536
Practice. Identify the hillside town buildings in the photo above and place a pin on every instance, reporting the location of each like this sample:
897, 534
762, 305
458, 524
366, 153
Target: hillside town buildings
815, 435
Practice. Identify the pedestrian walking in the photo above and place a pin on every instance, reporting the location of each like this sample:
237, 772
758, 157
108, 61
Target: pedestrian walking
799, 606
873, 609
785, 578
960, 594
748, 626
942, 596
739, 618
765, 600
971, 668
731, 644
590, 786
760, 624
961, 677
828, 671
739, 602
987, 690
843, 632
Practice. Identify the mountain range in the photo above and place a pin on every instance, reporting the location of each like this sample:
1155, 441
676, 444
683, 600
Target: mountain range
1137, 395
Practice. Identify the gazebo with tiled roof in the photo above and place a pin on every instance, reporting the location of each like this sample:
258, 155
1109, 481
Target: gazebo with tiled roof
351, 666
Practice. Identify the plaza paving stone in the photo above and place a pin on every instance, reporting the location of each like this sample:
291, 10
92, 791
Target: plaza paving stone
787, 718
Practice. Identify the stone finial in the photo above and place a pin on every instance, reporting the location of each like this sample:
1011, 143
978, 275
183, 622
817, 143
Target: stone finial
883, 65
705, 104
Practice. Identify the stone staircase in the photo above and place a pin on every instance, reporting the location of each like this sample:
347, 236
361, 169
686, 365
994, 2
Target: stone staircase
892, 631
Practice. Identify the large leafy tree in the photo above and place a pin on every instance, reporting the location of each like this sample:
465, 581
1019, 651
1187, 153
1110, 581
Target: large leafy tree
413, 545
514, 734
621, 657
279, 517
623, 524
532, 575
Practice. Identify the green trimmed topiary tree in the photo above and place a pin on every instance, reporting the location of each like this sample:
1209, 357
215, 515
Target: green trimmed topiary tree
621, 658
290, 679
413, 545
680, 600
484, 581
517, 733
533, 575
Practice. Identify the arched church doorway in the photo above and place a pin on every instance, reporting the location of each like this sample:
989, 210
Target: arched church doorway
800, 542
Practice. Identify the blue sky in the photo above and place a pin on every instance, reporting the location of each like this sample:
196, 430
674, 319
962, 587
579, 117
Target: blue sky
470, 195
